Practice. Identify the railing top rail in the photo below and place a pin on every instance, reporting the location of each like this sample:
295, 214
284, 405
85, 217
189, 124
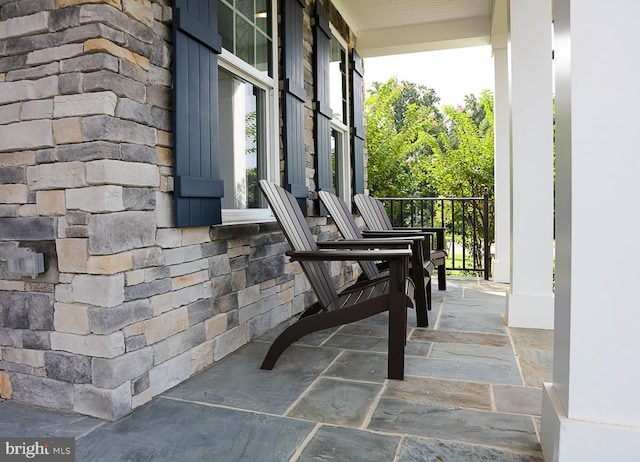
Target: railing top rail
429, 198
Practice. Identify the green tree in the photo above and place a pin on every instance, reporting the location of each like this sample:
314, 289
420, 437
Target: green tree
461, 164
400, 118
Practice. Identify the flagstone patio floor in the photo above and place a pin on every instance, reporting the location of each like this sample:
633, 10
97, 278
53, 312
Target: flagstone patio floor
472, 392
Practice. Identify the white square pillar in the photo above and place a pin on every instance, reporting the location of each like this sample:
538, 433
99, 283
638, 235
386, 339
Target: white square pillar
591, 411
530, 301
502, 166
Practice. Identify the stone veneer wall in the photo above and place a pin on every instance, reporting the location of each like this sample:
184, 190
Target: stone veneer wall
128, 306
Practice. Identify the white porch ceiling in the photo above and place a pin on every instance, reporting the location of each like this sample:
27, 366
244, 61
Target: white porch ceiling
387, 27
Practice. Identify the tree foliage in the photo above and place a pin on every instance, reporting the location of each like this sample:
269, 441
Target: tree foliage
417, 149
400, 118
462, 161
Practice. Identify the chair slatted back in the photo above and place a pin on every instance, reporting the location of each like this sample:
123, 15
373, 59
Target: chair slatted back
373, 213
347, 226
296, 229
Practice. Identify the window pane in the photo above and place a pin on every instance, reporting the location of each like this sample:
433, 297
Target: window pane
245, 7
263, 7
225, 25
338, 81
263, 53
242, 108
244, 40
255, 143
336, 143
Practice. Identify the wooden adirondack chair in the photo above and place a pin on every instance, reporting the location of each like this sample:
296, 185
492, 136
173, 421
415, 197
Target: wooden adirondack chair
420, 270
376, 218
337, 308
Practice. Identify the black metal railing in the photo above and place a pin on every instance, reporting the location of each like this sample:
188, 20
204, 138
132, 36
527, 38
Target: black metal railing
467, 220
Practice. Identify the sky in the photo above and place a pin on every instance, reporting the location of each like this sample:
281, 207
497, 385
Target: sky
451, 73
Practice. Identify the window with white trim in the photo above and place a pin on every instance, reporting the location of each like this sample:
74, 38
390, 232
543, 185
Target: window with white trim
340, 122
247, 106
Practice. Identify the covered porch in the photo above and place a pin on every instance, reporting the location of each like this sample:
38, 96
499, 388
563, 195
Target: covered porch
472, 391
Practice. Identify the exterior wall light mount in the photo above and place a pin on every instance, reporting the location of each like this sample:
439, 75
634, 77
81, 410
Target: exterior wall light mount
25, 262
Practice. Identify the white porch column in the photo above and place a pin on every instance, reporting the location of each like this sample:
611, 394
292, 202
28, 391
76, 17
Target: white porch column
591, 411
530, 302
502, 164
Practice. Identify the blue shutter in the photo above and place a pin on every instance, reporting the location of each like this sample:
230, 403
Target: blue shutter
357, 121
323, 113
294, 98
197, 185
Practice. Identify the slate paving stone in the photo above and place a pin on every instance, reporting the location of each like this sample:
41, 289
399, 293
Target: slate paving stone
354, 365
487, 428
443, 392
238, 381
473, 305
483, 353
432, 450
519, 400
22, 420
474, 371
417, 348
357, 342
380, 331
538, 339
347, 444
373, 344
444, 336
170, 430
479, 322
536, 366
336, 402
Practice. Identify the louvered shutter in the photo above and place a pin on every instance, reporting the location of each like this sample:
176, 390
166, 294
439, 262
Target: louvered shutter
322, 104
197, 185
294, 98
357, 121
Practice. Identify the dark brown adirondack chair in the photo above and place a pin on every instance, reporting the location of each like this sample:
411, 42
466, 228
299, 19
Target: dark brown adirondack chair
376, 218
335, 308
419, 272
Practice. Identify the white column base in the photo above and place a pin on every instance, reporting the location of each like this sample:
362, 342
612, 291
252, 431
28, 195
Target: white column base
530, 311
565, 440
501, 271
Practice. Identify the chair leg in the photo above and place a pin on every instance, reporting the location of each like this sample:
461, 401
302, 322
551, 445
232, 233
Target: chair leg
312, 323
421, 295
397, 327
429, 295
442, 277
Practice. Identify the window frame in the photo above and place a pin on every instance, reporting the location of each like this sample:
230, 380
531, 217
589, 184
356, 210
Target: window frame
343, 163
235, 65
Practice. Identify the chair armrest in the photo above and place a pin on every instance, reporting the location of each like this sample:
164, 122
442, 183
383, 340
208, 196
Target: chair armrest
392, 233
392, 243
341, 255
439, 232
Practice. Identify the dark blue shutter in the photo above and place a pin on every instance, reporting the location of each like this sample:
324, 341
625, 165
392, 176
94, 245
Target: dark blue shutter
197, 187
357, 121
323, 113
294, 98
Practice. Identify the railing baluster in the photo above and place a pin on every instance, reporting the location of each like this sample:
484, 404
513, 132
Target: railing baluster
487, 244
410, 211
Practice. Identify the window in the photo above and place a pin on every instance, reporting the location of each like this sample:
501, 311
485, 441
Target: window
247, 107
242, 140
340, 121
245, 27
